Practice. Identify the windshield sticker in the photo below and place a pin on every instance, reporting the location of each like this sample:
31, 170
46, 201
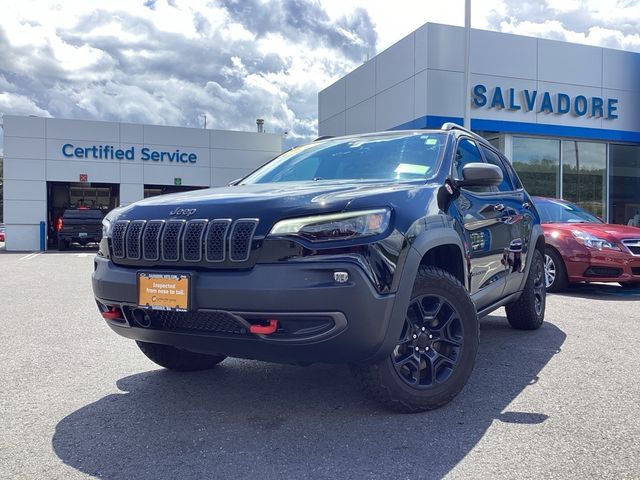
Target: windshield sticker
431, 141
411, 168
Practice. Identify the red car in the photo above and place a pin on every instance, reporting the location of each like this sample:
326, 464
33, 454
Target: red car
2, 232
582, 248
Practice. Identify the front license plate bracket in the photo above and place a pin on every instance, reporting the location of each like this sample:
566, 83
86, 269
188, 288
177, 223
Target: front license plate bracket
164, 291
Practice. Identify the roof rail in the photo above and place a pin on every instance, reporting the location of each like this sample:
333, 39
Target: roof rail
455, 126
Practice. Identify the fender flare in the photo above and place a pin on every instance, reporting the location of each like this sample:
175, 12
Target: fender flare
427, 240
536, 233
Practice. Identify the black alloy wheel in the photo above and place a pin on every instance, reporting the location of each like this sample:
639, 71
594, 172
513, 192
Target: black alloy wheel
539, 288
436, 349
429, 348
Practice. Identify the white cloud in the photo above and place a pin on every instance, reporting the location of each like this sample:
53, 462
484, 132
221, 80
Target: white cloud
169, 62
20, 105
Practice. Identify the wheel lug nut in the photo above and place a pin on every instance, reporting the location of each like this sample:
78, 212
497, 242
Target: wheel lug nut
423, 329
430, 336
417, 349
426, 349
415, 336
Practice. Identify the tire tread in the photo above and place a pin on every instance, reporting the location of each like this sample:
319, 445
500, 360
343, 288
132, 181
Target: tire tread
369, 377
521, 314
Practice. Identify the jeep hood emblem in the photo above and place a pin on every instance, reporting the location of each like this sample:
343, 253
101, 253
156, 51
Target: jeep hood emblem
184, 212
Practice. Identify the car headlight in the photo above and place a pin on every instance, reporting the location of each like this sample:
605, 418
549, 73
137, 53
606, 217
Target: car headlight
107, 222
335, 226
591, 241
106, 227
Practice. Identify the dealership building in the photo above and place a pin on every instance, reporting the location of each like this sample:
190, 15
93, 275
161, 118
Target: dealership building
53, 164
567, 115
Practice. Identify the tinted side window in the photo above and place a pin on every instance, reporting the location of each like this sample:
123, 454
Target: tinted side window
494, 159
514, 176
467, 152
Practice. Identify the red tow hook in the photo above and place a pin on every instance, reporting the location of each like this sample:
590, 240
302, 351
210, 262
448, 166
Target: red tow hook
264, 329
113, 314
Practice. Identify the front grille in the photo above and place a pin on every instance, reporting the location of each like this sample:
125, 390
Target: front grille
118, 244
213, 321
204, 321
241, 235
193, 241
151, 240
171, 240
633, 245
216, 240
134, 232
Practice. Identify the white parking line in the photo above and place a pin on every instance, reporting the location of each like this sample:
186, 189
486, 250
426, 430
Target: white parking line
78, 255
30, 256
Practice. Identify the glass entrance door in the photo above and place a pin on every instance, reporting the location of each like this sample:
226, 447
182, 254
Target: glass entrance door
624, 202
584, 175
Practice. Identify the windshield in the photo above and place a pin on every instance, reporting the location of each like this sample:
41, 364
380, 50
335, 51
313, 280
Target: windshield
554, 211
386, 157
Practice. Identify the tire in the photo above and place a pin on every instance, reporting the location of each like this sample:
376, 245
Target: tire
173, 358
553, 260
527, 313
411, 380
62, 244
630, 285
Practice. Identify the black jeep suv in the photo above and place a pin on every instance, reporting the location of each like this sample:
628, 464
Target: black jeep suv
379, 250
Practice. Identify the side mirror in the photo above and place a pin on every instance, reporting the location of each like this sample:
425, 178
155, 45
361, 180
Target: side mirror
480, 175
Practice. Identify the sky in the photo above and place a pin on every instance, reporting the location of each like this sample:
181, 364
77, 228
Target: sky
171, 62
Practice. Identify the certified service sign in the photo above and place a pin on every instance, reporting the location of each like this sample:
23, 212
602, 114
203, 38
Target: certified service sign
109, 152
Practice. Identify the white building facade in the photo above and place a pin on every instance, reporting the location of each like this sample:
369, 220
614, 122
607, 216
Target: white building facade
51, 164
567, 115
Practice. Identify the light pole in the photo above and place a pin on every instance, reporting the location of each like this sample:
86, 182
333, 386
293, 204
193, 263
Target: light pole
467, 71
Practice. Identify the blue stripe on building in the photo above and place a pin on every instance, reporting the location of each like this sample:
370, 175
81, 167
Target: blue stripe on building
502, 126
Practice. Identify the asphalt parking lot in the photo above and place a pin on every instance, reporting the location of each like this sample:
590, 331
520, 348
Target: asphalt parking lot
77, 401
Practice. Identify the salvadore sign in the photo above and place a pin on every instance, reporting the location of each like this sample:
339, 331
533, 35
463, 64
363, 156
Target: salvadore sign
109, 152
544, 102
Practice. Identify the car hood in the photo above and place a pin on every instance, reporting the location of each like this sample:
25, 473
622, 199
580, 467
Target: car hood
266, 202
607, 231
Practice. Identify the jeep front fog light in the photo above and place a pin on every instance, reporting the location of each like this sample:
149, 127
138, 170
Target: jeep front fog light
335, 226
341, 277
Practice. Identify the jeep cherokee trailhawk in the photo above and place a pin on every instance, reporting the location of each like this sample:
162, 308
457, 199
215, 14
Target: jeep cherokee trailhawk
380, 251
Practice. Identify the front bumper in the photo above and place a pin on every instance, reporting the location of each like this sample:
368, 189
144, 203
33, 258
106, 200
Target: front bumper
77, 239
322, 321
587, 265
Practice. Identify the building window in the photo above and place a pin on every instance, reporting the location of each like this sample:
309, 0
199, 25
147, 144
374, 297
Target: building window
624, 203
584, 175
537, 161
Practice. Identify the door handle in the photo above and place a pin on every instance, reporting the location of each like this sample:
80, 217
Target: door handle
526, 205
498, 207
